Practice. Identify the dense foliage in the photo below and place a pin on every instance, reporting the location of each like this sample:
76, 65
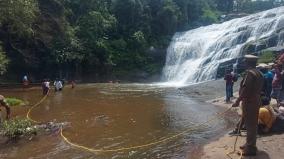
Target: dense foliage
3, 61
101, 39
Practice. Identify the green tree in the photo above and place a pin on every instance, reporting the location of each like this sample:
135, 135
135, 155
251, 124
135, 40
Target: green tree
3, 61
18, 16
168, 17
225, 5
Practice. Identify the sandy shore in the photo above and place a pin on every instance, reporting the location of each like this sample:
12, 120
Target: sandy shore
269, 147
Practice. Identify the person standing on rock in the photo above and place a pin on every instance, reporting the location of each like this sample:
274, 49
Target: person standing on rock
249, 94
277, 83
229, 85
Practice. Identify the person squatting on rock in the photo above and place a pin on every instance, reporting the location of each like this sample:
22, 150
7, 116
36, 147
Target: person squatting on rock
249, 94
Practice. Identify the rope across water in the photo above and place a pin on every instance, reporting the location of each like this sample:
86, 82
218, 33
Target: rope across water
148, 144
81, 147
34, 106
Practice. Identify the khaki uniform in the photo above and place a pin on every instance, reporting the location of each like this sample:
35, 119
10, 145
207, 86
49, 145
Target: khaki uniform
250, 90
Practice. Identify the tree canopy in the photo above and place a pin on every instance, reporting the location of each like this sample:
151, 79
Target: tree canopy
101, 39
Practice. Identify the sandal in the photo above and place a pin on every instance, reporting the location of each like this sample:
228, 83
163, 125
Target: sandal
246, 152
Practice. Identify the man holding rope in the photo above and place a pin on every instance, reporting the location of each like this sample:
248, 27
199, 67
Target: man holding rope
249, 94
4, 104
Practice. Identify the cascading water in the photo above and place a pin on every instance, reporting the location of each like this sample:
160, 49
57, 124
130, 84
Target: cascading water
194, 56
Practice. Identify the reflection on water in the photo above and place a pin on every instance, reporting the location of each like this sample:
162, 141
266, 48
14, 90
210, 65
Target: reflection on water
111, 116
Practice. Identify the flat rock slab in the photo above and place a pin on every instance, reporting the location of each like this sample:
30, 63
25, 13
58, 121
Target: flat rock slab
269, 147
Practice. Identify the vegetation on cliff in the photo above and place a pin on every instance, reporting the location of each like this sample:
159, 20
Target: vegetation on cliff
100, 38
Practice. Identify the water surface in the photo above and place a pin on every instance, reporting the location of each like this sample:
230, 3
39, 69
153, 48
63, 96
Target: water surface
112, 116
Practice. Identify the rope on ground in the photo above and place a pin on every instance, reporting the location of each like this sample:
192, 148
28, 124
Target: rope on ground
235, 144
78, 146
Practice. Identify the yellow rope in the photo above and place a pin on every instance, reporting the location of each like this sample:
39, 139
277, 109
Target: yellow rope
131, 147
235, 144
34, 106
140, 146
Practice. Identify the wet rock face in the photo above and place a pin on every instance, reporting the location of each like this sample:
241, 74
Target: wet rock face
276, 40
273, 43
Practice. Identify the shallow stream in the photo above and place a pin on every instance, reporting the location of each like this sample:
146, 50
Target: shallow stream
111, 116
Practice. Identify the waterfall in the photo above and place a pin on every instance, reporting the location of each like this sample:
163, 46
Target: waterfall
195, 55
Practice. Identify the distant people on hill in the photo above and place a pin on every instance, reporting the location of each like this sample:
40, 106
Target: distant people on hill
6, 106
229, 85
45, 86
58, 85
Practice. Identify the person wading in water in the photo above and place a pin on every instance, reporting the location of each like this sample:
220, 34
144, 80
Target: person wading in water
249, 94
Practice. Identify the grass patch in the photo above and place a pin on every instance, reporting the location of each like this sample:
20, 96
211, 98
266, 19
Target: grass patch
14, 102
17, 127
266, 57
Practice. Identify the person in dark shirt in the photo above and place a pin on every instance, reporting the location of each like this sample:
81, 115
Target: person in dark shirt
229, 85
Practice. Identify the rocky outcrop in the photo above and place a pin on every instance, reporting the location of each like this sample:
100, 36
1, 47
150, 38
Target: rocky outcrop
273, 43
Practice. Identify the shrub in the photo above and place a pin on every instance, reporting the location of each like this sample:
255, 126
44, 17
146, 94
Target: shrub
16, 128
14, 102
266, 57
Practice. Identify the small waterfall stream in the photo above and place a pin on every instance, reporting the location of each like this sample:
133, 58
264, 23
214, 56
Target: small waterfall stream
195, 55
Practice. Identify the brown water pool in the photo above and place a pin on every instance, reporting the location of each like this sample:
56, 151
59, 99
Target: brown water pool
111, 116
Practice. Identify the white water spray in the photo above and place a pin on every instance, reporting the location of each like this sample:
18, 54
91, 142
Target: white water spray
194, 56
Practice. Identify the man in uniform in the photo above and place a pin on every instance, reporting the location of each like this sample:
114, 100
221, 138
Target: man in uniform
249, 94
4, 104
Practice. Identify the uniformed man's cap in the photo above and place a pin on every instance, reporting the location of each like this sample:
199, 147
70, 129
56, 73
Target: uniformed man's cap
262, 65
251, 58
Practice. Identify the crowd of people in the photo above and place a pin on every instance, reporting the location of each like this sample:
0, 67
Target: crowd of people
259, 86
58, 84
